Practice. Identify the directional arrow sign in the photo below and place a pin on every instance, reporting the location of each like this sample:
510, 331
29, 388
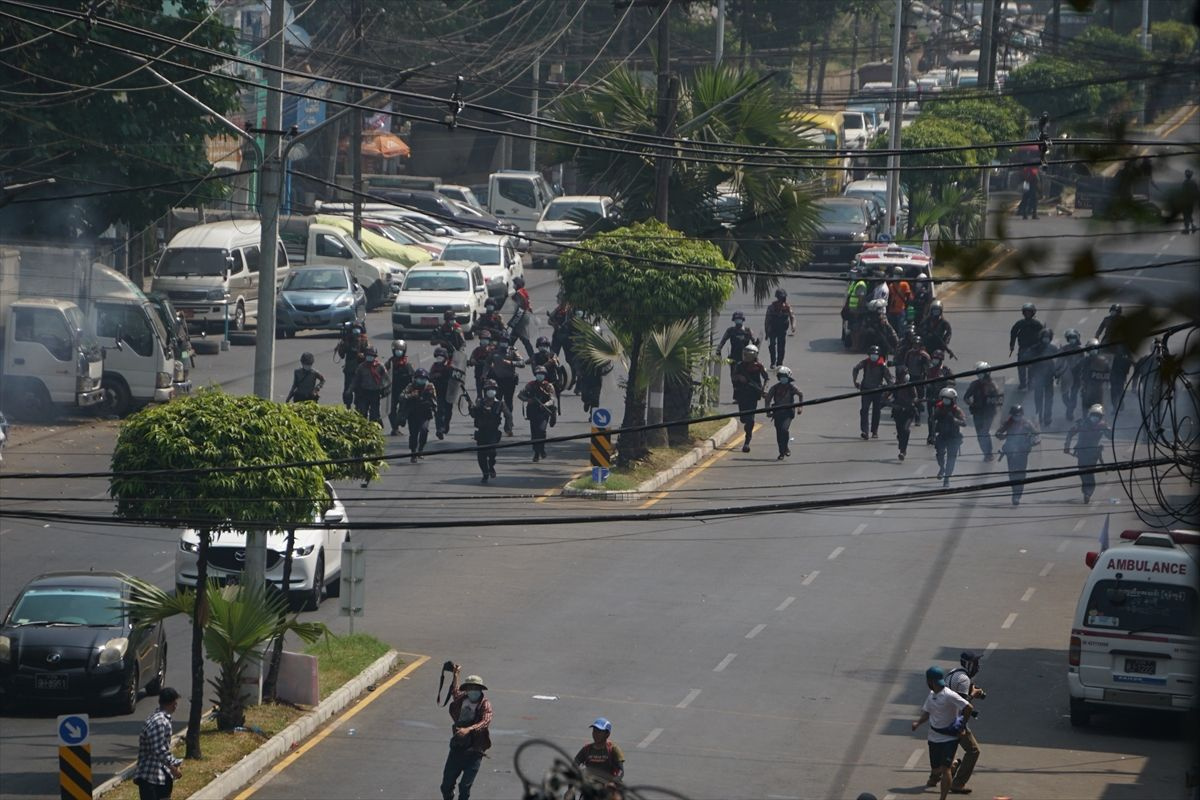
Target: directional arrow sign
601, 417
73, 729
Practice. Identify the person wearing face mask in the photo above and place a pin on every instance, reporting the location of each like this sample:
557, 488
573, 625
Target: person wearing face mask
544, 357
503, 370
560, 324
738, 336
521, 321
1024, 335
449, 335
749, 383
1089, 434
876, 331
916, 361
420, 405
402, 374
1095, 372
935, 330
871, 373
900, 294
480, 358
905, 405
306, 382
941, 376
961, 681
491, 319
471, 717
946, 422
1020, 436
371, 384
440, 375
982, 399
779, 319
538, 397
780, 398
1070, 357
351, 349
489, 414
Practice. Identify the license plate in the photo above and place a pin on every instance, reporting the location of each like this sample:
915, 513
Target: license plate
312, 319
434, 321
1139, 666
50, 683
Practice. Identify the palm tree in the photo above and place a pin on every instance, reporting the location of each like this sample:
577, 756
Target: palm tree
240, 620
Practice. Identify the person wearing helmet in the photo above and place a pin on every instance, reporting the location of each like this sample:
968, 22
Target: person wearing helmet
503, 370
538, 397
1019, 437
441, 374
905, 404
781, 404
471, 717
876, 331
351, 350
900, 294
1118, 353
479, 359
854, 306
935, 330
1089, 434
1095, 371
1024, 335
915, 359
544, 357
419, 406
602, 759
738, 335
940, 377
562, 338
490, 414
402, 375
1042, 375
449, 335
371, 384
946, 422
306, 382
491, 319
1189, 195
983, 399
749, 385
1070, 357
520, 324
870, 376
778, 321
1108, 325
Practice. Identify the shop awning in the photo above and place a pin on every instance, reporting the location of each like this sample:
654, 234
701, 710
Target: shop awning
378, 144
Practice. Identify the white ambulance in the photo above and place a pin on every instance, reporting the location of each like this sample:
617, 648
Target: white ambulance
1134, 639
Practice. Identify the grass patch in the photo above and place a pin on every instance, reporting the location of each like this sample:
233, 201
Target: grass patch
632, 476
338, 661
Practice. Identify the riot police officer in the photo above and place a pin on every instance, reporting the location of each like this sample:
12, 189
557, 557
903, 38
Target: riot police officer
780, 399
402, 374
1088, 433
1024, 335
420, 405
489, 413
1070, 357
538, 397
440, 375
946, 422
749, 382
371, 383
1095, 371
982, 399
871, 373
1020, 436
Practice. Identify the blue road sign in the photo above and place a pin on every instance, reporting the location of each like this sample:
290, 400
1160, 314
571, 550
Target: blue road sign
601, 417
599, 474
73, 729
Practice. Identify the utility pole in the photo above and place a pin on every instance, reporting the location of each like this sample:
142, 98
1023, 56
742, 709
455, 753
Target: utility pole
356, 122
1146, 47
662, 166
719, 49
537, 77
987, 22
893, 185
1055, 18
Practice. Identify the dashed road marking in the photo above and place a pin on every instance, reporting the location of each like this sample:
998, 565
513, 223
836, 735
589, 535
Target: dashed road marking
687, 701
879, 511
650, 737
725, 662
808, 579
862, 527
1008, 621
1082, 320
785, 604
991, 648
1046, 569
755, 631
1062, 546
164, 567
913, 759
1028, 594
1079, 525
837, 551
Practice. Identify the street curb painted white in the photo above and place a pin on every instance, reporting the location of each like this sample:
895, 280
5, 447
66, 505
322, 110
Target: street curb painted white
728, 431
244, 771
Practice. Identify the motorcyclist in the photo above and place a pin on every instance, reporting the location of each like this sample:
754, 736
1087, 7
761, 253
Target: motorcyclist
602, 759
520, 324
351, 350
420, 405
306, 382
749, 382
480, 358
1089, 434
1042, 375
871, 373
905, 405
777, 322
1019, 436
946, 422
983, 398
372, 382
1024, 335
1095, 371
738, 335
1069, 371
538, 397
449, 335
402, 374
935, 329
877, 331
489, 413
440, 375
503, 370
941, 377
779, 399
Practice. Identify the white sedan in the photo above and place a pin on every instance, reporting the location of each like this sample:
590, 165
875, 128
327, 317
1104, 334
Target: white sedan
316, 558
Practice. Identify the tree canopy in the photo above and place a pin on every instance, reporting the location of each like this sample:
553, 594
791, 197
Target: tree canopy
345, 434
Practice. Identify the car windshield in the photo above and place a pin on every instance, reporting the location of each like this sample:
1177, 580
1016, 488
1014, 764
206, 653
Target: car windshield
567, 211
1142, 606
67, 606
316, 280
853, 121
479, 253
841, 213
194, 261
429, 281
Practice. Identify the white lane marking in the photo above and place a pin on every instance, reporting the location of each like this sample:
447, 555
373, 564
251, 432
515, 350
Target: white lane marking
1062, 546
164, 567
837, 551
991, 648
785, 604
1137, 274
687, 701
99, 495
812, 576
1046, 569
783, 797
862, 527
879, 511
545, 697
913, 759
755, 631
1082, 320
1079, 525
650, 737
5, 530
1028, 594
725, 662
889, 797
1009, 620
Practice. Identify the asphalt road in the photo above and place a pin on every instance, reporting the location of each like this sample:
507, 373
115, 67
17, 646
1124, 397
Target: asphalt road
752, 656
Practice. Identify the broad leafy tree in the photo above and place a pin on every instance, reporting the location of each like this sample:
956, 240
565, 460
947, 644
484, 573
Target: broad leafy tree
176, 464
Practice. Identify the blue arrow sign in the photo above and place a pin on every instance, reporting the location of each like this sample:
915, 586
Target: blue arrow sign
601, 417
73, 729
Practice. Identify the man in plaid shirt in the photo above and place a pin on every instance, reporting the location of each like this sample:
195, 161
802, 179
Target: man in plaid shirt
157, 769
471, 713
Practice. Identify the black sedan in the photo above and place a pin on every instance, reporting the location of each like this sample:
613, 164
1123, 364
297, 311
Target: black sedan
846, 226
70, 636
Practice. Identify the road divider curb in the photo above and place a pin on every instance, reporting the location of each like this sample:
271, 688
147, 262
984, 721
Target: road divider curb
688, 460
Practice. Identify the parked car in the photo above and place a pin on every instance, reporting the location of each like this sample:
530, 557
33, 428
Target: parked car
316, 557
442, 207
462, 194
566, 221
319, 298
845, 228
431, 289
398, 232
497, 256
876, 188
71, 637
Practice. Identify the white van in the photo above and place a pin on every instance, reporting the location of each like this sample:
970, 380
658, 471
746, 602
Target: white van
1134, 640
519, 196
210, 272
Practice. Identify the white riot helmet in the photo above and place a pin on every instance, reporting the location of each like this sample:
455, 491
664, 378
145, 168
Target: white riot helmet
399, 344
750, 350
1093, 342
983, 367
783, 372
876, 305
1096, 409
948, 394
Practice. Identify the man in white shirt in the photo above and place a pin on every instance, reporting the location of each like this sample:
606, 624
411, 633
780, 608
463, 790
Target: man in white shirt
946, 712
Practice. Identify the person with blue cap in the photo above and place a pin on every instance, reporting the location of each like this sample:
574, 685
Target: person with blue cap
602, 758
946, 712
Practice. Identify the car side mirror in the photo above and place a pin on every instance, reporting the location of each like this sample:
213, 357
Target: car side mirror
523, 246
439, 231
335, 515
